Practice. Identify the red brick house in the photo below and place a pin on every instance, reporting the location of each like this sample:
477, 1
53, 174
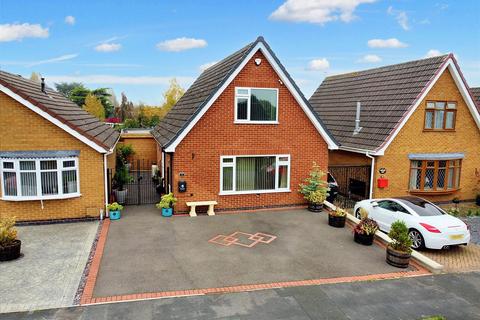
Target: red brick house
243, 135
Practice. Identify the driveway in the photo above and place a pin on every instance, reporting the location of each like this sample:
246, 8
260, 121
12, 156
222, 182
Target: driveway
147, 253
48, 274
454, 296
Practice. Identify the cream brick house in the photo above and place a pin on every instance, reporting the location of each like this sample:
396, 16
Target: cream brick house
53, 155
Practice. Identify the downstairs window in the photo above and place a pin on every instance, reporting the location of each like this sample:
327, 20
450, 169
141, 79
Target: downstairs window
435, 175
254, 174
36, 179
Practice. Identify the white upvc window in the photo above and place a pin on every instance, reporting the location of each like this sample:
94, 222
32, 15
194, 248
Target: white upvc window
254, 174
256, 105
39, 179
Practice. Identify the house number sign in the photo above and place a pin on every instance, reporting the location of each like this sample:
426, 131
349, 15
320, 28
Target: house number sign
382, 170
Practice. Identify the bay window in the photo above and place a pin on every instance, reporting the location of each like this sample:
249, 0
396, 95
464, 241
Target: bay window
32, 179
254, 174
256, 105
440, 115
435, 175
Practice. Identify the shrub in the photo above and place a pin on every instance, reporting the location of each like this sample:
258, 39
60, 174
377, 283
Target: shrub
8, 232
399, 234
122, 177
315, 189
366, 226
167, 201
339, 212
115, 206
363, 213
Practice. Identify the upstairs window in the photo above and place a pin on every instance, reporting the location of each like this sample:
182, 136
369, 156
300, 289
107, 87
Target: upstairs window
32, 179
435, 175
440, 115
256, 105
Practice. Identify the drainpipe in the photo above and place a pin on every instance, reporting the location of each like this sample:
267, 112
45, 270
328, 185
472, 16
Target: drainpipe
372, 173
105, 182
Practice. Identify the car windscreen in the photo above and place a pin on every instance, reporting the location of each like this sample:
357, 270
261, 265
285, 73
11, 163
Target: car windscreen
423, 208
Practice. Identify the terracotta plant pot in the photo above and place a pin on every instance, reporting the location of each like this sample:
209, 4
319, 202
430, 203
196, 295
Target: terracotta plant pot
398, 259
315, 207
11, 251
365, 239
336, 221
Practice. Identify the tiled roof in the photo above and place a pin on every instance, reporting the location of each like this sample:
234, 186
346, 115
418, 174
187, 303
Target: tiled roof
59, 107
386, 94
476, 96
197, 96
200, 92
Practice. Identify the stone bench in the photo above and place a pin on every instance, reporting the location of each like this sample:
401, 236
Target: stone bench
194, 204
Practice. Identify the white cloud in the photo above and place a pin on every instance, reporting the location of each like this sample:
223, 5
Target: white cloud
70, 20
108, 47
319, 64
386, 43
400, 16
16, 31
53, 60
317, 11
370, 58
433, 53
114, 79
181, 44
207, 65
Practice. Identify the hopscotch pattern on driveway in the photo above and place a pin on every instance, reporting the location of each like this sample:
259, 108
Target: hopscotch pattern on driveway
242, 239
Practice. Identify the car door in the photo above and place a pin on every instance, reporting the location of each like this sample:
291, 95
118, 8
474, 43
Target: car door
385, 214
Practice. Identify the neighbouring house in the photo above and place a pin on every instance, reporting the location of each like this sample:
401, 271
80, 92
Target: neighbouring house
415, 124
476, 95
243, 135
54, 156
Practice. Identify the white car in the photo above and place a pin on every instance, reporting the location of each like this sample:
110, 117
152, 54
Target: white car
428, 225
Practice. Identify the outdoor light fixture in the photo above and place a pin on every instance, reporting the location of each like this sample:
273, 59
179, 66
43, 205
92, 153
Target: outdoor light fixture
258, 61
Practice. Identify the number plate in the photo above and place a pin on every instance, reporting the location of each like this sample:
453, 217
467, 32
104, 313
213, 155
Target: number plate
456, 236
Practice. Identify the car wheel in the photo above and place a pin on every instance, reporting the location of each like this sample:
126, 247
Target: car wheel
357, 214
417, 239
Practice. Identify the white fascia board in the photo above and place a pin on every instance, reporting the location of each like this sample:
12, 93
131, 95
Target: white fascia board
331, 144
53, 120
461, 86
362, 151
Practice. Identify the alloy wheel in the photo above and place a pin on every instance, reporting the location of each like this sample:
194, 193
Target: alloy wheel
417, 240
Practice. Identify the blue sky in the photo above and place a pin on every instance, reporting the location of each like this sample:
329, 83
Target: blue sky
137, 46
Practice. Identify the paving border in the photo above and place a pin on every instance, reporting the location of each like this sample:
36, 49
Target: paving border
87, 295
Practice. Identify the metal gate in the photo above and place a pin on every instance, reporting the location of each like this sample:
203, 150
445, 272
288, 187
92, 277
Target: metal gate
353, 182
142, 189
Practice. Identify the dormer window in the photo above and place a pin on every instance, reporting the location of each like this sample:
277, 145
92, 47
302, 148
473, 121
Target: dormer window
256, 105
440, 115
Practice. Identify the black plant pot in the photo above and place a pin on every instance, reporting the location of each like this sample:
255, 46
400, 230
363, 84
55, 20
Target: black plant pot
365, 239
477, 200
11, 251
398, 259
315, 207
337, 222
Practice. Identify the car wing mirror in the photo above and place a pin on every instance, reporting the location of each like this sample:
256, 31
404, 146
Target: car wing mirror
374, 204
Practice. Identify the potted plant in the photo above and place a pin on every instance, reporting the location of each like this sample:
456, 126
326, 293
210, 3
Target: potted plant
114, 210
166, 204
125, 152
337, 218
315, 189
364, 231
399, 250
9, 244
121, 178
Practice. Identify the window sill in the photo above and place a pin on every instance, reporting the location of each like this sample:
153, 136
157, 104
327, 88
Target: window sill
229, 193
433, 192
56, 197
255, 122
438, 130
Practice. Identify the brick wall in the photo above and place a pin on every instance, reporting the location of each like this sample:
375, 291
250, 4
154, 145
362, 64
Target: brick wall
198, 155
412, 139
144, 147
340, 157
22, 129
